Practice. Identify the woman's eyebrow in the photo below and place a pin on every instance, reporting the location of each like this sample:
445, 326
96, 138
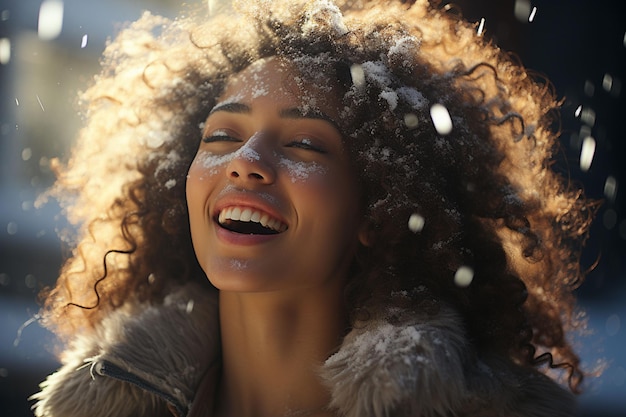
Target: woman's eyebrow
232, 107
289, 113
297, 113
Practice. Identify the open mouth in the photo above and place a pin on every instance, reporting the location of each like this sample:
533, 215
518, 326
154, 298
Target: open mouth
249, 221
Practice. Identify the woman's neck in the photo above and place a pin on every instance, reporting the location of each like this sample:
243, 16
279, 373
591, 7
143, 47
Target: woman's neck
273, 345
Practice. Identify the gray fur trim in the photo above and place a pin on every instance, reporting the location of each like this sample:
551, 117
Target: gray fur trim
397, 364
170, 346
405, 365
412, 368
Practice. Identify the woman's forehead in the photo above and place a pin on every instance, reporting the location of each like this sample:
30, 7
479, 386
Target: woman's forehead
256, 80
278, 79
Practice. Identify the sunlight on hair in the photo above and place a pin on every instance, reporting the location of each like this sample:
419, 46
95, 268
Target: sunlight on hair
50, 19
5, 51
416, 223
358, 75
411, 120
587, 152
464, 276
441, 119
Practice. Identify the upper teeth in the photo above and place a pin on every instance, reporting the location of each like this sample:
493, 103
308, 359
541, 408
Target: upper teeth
245, 214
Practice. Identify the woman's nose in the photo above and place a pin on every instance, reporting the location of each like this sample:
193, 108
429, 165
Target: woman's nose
252, 162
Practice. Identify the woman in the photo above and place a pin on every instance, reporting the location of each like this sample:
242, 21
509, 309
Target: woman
369, 196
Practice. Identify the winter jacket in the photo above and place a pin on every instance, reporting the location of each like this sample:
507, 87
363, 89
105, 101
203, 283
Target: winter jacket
148, 360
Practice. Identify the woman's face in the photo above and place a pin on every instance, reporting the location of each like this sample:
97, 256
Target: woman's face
273, 200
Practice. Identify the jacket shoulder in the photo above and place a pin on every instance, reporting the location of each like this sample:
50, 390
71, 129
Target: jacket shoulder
159, 353
417, 365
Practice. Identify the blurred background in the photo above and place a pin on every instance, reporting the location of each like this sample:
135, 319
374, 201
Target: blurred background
50, 49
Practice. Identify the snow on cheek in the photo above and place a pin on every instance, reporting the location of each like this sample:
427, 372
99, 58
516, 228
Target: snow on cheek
299, 171
210, 163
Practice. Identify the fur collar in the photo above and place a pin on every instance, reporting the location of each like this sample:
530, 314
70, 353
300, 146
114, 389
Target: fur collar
395, 364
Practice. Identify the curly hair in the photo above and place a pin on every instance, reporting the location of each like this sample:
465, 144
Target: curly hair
470, 214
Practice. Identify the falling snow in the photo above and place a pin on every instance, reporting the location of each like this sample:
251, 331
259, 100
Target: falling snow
463, 276
12, 228
416, 223
50, 21
40, 103
27, 153
610, 188
441, 119
522, 10
5, 51
411, 121
613, 324
587, 153
481, 27
358, 75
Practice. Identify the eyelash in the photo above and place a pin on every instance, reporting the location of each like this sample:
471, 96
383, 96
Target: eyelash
307, 145
219, 138
299, 144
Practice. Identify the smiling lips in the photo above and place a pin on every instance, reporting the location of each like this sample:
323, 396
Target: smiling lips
247, 220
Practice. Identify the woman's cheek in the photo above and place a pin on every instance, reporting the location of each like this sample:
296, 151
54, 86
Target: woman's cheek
302, 171
207, 164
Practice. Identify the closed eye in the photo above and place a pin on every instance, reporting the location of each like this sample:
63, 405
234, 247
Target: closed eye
306, 144
220, 136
